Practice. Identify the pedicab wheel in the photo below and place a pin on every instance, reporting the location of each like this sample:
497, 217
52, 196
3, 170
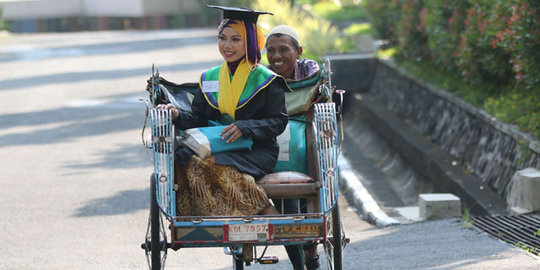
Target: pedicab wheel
158, 239
238, 263
333, 247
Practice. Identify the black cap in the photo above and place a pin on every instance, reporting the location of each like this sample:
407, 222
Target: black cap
243, 14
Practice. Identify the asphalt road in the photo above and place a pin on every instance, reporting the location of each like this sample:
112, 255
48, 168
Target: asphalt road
74, 184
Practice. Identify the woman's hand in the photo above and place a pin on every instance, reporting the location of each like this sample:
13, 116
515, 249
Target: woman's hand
174, 110
232, 132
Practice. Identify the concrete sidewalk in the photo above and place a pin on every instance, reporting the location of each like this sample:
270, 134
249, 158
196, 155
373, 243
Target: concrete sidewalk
402, 243
441, 244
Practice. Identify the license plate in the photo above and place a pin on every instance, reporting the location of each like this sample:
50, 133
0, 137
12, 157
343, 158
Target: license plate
248, 232
301, 229
293, 231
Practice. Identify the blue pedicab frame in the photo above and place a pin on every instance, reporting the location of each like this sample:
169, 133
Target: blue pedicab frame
241, 235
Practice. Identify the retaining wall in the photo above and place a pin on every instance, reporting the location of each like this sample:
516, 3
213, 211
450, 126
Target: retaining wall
492, 150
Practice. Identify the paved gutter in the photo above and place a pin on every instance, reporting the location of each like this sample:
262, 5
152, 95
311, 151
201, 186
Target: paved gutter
360, 197
429, 160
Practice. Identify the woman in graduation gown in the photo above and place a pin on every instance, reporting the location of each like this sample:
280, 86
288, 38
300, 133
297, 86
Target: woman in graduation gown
249, 99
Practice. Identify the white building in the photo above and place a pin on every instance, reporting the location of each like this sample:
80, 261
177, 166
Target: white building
28, 14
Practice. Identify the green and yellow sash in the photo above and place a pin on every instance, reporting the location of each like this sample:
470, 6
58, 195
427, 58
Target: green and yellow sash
233, 92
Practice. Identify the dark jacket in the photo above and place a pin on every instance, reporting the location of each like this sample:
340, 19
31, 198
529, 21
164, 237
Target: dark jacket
263, 118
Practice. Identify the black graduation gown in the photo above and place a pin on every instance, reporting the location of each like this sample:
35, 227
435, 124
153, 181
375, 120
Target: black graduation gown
263, 118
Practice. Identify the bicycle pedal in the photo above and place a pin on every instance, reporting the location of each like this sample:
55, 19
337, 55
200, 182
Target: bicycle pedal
269, 260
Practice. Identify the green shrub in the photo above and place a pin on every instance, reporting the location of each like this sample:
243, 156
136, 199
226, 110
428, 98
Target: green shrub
357, 29
383, 16
401, 23
444, 22
486, 51
521, 108
334, 12
317, 35
521, 38
386, 54
481, 63
302, 2
410, 31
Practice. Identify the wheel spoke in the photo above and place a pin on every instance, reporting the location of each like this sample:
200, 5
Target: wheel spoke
329, 251
147, 241
163, 241
335, 240
156, 235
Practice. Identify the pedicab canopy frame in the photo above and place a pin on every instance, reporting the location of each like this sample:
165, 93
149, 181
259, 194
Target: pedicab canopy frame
319, 220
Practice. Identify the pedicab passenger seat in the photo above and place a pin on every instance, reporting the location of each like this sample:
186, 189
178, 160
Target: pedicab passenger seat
280, 184
289, 185
294, 183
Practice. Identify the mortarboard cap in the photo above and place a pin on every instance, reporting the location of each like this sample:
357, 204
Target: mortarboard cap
243, 14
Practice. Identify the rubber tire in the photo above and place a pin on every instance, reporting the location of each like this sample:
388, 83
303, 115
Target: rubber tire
337, 238
238, 264
154, 226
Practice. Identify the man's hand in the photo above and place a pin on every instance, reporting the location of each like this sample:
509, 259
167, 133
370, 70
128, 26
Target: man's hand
232, 132
174, 110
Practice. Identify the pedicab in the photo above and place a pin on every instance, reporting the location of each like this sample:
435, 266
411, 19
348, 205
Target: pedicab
314, 182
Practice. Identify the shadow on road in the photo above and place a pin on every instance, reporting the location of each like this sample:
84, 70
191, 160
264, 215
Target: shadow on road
101, 75
121, 203
113, 113
123, 156
78, 123
105, 48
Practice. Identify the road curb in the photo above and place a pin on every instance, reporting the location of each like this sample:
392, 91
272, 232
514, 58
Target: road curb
359, 196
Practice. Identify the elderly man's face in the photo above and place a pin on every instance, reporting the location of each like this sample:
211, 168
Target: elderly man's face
282, 55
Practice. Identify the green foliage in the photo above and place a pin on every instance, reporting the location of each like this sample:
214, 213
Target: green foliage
502, 55
334, 12
481, 63
383, 16
485, 51
386, 54
230, 3
528, 248
452, 82
519, 107
317, 35
410, 31
303, 2
521, 38
357, 29
401, 23
444, 22
467, 219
